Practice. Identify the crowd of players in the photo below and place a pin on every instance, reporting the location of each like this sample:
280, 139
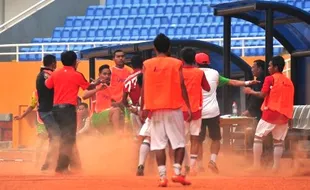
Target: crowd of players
165, 99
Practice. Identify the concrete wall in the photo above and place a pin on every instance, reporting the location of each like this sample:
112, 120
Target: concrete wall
13, 7
1, 11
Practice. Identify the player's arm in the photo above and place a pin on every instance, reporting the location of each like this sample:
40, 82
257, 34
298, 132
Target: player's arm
184, 93
205, 84
226, 81
265, 90
125, 99
33, 104
49, 82
86, 127
90, 93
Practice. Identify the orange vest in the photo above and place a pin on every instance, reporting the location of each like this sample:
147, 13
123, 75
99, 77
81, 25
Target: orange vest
103, 100
162, 85
193, 79
281, 96
118, 78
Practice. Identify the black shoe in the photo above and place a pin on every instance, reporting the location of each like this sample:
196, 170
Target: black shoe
140, 170
212, 166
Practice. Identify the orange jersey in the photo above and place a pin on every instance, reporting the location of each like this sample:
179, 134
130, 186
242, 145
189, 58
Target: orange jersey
103, 100
193, 80
281, 96
162, 85
118, 78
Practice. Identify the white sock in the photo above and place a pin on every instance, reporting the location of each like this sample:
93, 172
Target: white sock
144, 150
277, 155
162, 172
193, 160
257, 151
186, 158
213, 157
177, 169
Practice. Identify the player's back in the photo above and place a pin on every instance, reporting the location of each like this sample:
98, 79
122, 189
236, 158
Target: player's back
162, 83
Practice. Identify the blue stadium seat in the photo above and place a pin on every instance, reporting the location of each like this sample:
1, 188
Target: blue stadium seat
153, 33
91, 11
66, 33
125, 11
135, 33
117, 34
237, 52
148, 21
183, 20
126, 34
103, 22
195, 32
195, 9
187, 9
202, 19
57, 32
82, 35
127, 2
78, 22
179, 33
110, 2
187, 32
116, 11
219, 31
174, 20
204, 32
37, 40
74, 33
134, 11
138, 21
151, 10
144, 33
99, 11
162, 30
160, 10
171, 32
177, 9
96, 22
142, 11
192, 20
108, 34
306, 4
91, 34
46, 40
70, 21
113, 22
108, 11
87, 22
100, 35
135, 2
121, 22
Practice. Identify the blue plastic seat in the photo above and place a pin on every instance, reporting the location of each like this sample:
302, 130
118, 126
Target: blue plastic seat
187, 9
37, 40
116, 11
146, 2
96, 22
87, 22
156, 21
46, 40
195, 9
177, 9
148, 21
134, 11
171, 32
108, 34
99, 11
113, 22
66, 33
162, 30
169, 10
110, 2
204, 32
108, 12
125, 11
135, 33
117, 34
192, 20
118, 2
126, 34
91, 11
187, 32
195, 32
183, 20
69, 21
130, 21
78, 22
152, 33
57, 32
100, 35
142, 11
170, 2
121, 22
160, 10
127, 2
104, 22
179, 33
144, 33
174, 20
219, 31
135, 2
153, 2
138, 21
151, 10
202, 19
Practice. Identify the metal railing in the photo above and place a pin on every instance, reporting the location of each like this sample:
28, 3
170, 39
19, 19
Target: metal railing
26, 13
17, 48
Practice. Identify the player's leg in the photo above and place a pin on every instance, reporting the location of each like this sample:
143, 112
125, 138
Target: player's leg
262, 130
40, 141
202, 137
175, 129
158, 144
187, 148
215, 135
279, 133
101, 121
195, 126
144, 147
117, 120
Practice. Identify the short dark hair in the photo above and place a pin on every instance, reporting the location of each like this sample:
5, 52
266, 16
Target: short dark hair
260, 63
68, 58
136, 62
188, 55
162, 43
140, 79
84, 104
116, 51
105, 66
48, 60
279, 62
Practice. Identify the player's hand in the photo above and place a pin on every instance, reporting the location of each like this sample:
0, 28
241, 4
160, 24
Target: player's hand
189, 116
133, 110
246, 113
247, 90
18, 117
252, 82
97, 81
143, 114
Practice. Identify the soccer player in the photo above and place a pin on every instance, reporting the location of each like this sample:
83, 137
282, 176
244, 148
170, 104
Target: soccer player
211, 110
195, 80
41, 130
101, 98
118, 77
133, 90
278, 95
163, 93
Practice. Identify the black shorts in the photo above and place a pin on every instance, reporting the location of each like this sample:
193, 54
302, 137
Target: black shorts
213, 128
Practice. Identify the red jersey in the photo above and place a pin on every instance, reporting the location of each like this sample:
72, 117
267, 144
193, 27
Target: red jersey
270, 116
131, 86
66, 83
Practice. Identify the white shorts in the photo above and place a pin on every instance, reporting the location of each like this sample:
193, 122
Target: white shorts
193, 127
135, 122
145, 130
167, 125
278, 131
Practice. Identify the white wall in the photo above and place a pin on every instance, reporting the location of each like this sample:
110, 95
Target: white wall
14, 7
1, 11
102, 2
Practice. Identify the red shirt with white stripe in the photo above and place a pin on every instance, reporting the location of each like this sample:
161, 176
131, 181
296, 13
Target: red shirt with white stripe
131, 86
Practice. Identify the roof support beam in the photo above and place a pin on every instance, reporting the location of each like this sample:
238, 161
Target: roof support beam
233, 11
305, 53
281, 21
268, 38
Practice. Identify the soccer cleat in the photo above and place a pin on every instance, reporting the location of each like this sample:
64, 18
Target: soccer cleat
212, 166
140, 170
163, 182
180, 179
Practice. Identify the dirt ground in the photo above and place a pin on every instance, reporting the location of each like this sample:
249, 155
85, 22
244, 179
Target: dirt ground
110, 163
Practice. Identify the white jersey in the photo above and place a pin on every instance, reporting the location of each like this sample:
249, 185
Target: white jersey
210, 106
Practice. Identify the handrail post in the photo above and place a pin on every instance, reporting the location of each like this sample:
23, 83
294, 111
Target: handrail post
42, 52
17, 53
243, 46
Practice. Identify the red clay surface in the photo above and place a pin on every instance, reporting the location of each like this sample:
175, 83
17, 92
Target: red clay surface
111, 164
